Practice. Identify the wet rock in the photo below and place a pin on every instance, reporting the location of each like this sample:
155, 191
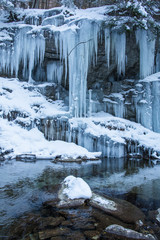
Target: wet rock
72, 236
118, 208
83, 225
51, 221
48, 233
26, 157
92, 235
25, 225
155, 215
51, 203
70, 203
103, 220
120, 233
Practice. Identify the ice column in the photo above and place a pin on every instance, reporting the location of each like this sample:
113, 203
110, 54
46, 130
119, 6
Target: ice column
147, 52
119, 46
107, 45
78, 48
117, 43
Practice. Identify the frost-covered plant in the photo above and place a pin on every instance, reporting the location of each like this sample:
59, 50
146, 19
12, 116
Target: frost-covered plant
136, 8
8, 8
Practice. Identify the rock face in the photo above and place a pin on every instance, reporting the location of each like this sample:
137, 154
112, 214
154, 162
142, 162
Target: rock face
119, 232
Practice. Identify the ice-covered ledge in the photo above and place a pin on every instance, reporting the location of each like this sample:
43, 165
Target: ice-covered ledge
151, 78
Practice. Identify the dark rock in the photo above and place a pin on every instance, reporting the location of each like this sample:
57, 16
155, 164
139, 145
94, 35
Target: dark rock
103, 220
118, 208
155, 216
26, 157
51, 221
92, 235
72, 236
120, 233
48, 233
70, 203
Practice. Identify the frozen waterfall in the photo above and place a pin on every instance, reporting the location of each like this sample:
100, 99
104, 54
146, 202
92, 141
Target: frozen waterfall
27, 50
78, 47
147, 52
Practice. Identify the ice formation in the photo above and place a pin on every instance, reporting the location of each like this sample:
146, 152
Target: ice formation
115, 43
75, 39
28, 50
147, 52
148, 110
119, 46
78, 48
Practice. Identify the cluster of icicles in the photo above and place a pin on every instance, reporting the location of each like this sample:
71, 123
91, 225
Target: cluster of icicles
78, 47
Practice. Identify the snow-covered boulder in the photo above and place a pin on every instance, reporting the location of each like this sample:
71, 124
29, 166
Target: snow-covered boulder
74, 191
76, 188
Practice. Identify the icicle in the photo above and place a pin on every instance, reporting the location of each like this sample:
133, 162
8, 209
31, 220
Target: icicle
147, 52
107, 45
119, 46
28, 50
78, 48
90, 102
54, 72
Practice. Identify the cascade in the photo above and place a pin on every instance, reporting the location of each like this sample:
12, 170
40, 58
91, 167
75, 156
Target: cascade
147, 52
78, 49
27, 51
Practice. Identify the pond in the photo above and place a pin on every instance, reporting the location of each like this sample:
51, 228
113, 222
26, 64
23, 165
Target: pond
24, 186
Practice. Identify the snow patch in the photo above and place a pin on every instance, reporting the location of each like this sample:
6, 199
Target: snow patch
76, 188
104, 202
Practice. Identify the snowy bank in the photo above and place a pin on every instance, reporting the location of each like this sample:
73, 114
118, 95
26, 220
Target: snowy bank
22, 141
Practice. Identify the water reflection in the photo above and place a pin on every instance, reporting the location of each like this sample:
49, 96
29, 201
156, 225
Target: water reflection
25, 186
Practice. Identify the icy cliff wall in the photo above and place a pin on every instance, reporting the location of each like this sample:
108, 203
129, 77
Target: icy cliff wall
80, 50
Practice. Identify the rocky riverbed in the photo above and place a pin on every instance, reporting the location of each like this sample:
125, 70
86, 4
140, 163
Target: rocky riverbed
51, 214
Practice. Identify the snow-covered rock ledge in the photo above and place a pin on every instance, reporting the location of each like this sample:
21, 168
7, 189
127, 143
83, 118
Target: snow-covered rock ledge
17, 141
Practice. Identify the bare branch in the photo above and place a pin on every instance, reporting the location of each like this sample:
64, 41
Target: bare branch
78, 45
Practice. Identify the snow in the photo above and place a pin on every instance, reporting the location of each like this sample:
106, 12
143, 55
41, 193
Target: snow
152, 78
118, 130
22, 141
76, 188
104, 202
4, 36
31, 105
16, 96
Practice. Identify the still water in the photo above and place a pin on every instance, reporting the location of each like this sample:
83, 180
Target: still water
24, 186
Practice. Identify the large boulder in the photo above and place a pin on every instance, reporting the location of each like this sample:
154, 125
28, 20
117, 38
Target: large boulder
118, 208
